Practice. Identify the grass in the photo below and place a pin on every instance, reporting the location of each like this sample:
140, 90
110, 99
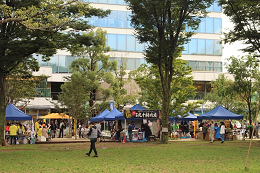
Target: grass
199, 156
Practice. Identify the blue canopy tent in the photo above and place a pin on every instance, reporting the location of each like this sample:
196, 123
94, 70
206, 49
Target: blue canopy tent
190, 117
100, 116
114, 115
137, 107
220, 112
13, 113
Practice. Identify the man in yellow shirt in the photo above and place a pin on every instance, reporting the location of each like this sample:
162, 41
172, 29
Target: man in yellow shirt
13, 133
36, 127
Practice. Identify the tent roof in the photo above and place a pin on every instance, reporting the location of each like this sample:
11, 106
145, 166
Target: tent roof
113, 115
137, 107
100, 116
56, 116
13, 113
220, 112
190, 117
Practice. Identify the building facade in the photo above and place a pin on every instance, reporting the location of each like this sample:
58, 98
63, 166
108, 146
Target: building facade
203, 52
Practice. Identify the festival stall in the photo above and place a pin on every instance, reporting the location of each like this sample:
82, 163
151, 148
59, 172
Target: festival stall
14, 114
220, 113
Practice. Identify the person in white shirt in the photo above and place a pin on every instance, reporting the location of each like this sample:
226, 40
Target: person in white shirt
222, 131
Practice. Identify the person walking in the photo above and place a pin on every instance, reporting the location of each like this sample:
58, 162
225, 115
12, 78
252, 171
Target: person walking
130, 129
61, 129
222, 132
93, 134
211, 132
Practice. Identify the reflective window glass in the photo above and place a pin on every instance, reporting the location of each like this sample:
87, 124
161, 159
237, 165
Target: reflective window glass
112, 1
131, 64
40, 60
138, 62
201, 65
128, 13
142, 61
121, 2
202, 26
209, 47
217, 47
193, 46
121, 40
218, 66
186, 49
130, 43
70, 59
139, 46
63, 64
217, 25
54, 61
193, 65
112, 19
102, 22
209, 25
122, 19
217, 8
93, 21
103, 1
201, 46
210, 66
111, 41
93, 0
210, 8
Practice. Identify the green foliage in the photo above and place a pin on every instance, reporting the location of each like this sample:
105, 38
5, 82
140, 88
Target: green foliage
246, 79
181, 87
34, 26
163, 31
244, 14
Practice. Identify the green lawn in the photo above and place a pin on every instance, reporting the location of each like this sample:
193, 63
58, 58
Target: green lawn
199, 156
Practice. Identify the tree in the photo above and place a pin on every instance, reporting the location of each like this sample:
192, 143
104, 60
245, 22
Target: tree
223, 93
32, 26
75, 95
164, 32
245, 16
181, 88
246, 77
93, 62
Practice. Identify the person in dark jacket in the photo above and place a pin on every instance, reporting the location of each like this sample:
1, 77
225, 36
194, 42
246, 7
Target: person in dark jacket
147, 131
92, 135
130, 131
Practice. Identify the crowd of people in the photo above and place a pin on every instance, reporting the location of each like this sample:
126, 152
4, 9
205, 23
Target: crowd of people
15, 131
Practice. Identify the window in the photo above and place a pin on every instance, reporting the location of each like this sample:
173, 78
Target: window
130, 43
217, 8
121, 2
131, 64
209, 47
112, 19
102, 22
217, 25
201, 65
201, 46
121, 42
103, 1
193, 65
41, 62
122, 19
93, 21
129, 13
186, 49
70, 59
209, 25
111, 40
193, 49
202, 26
63, 64
139, 46
210, 66
217, 47
218, 66
112, 1
211, 8
54, 61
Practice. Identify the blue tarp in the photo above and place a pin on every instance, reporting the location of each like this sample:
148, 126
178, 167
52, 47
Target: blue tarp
100, 116
137, 107
190, 117
13, 113
220, 112
114, 115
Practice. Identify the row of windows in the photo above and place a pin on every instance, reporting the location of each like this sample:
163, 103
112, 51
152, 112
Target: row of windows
61, 63
205, 66
121, 19
214, 7
203, 47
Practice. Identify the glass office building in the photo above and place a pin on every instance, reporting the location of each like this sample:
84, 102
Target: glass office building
203, 52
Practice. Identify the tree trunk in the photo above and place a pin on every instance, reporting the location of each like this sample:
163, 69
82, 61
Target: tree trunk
2, 108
